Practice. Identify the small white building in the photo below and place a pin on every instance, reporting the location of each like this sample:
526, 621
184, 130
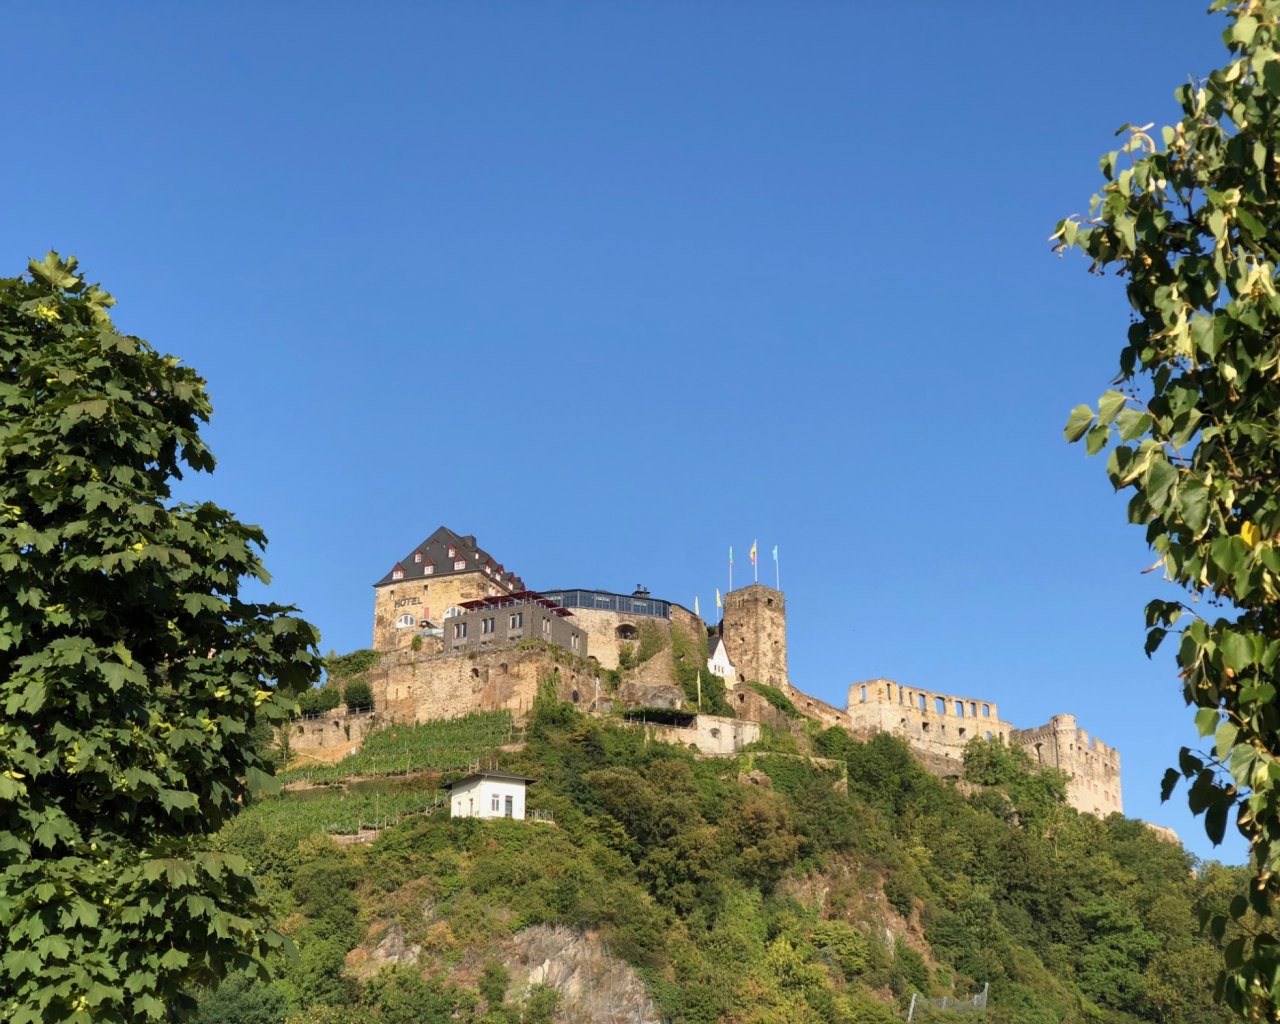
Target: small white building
488, 794
718, 662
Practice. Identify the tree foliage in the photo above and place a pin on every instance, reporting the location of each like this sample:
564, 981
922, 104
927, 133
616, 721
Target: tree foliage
1193, 225
131, 672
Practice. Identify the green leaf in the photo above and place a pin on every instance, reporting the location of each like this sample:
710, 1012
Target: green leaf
1080, 420
1133, 423
1224, 740
1207, 720
1237, 650
1109, 405
1097, 439
1193, 503
1160, 478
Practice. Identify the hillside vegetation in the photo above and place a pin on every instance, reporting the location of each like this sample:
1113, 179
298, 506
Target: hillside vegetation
764, 889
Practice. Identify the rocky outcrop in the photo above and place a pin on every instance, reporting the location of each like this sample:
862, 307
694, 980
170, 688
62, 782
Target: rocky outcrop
595, 987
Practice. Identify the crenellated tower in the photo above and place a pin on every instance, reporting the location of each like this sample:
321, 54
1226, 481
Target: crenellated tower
755, 633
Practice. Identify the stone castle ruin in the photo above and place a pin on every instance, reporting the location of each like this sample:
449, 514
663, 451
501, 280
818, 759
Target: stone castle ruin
458, 632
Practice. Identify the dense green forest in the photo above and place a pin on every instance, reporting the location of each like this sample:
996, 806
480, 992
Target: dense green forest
766, 888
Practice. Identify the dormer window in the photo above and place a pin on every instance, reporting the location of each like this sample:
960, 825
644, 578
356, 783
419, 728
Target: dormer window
417, 556
428, 569
397, 573
452, 551
461, 563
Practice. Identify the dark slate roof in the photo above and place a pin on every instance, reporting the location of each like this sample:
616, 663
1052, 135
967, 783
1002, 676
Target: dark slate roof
434, 552
500, 776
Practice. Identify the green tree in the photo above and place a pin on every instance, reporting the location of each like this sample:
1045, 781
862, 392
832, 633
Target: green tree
358, 695
1192, 224
132, 675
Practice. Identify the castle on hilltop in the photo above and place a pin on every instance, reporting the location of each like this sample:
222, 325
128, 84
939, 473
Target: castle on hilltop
458, 632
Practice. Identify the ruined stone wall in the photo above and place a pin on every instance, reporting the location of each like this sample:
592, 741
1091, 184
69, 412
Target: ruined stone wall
608, 631
935, 724
755, 633
813, 708
1094, 767
411, 687
423, 598
711, 734
335, 729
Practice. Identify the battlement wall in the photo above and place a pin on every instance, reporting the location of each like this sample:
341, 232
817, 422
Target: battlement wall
1094, 766
934, 723
411, 686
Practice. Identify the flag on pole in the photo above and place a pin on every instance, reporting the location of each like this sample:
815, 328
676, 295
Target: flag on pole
775, 552
699, 691
777, 570
753, 552
695, 607
717, 597
730, 556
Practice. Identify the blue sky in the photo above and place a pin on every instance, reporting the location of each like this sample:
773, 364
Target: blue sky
615, 285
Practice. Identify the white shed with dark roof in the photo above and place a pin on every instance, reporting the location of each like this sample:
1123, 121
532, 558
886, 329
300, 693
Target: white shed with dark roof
488, 794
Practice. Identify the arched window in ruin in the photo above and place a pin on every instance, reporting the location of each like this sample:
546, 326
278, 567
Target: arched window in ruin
1039, 754
939, 705
959, 709
922, 705
475, 673
986, 710
987, 735
575, 696
864, 695
715, 734
626, 632
742, 698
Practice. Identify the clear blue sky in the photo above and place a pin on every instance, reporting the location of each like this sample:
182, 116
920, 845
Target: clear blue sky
616, 285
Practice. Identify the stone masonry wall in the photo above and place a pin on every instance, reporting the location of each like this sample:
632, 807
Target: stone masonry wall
938, 724
423, 598
755, 633
1094, 767
711, 734
411, 687
335, 729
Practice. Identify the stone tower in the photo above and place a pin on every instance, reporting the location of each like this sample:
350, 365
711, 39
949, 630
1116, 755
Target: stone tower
755, 633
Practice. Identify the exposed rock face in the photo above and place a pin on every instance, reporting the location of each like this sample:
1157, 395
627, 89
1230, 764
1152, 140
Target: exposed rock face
595, 987
394, 950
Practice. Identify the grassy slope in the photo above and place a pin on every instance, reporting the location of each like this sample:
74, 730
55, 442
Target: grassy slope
795, 903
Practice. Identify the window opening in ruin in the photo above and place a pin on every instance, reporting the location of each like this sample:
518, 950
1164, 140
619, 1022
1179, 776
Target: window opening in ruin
959, 709
924, 726
939, 705
987, 735
962, 732
626, 632
973, 709
1039, 754
864, 695
986, 710
742, 698
575, 697
922, 705
475, 673
901, 694
503, 668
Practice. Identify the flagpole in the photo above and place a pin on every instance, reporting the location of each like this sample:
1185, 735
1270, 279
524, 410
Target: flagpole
755, 559
777, 569
730, 566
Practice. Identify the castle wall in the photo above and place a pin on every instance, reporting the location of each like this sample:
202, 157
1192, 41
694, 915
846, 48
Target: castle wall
934, 723
409, 686
423, 598
336, 729
602, 626
711, 734
754, 628
1094, 767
